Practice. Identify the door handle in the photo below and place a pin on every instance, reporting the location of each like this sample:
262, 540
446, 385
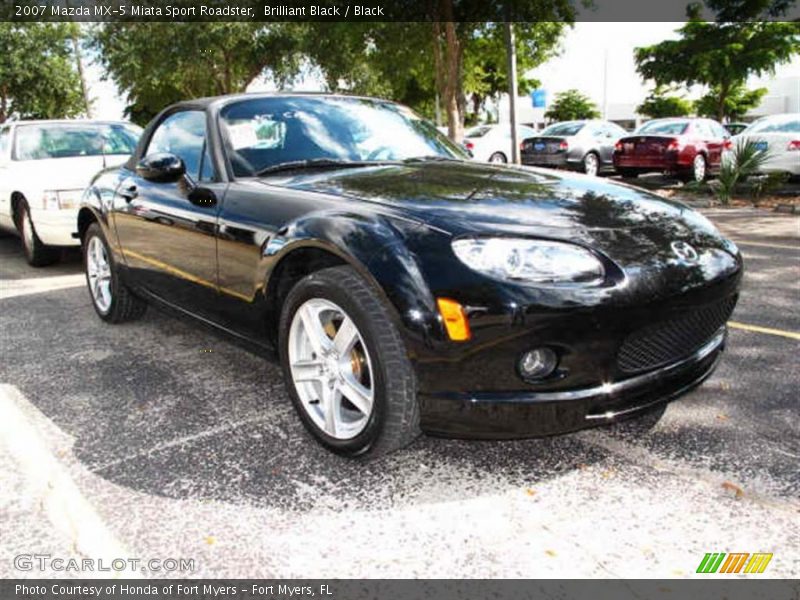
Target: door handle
129, 193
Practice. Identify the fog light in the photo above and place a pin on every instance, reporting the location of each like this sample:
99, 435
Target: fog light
538, 363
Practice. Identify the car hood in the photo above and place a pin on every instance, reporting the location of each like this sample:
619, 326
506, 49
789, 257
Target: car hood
72, 173
634, 228
467, 197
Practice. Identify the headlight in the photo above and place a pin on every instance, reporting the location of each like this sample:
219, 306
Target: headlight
531, 261
57, 199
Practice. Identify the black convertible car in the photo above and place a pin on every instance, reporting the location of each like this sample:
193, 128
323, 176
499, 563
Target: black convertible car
405, 288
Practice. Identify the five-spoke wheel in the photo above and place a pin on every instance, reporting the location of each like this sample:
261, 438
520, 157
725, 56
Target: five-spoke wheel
346, 367
331, 368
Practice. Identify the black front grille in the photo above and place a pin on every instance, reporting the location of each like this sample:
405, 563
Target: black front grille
670, 341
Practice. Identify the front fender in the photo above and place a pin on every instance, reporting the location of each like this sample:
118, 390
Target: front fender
377, 247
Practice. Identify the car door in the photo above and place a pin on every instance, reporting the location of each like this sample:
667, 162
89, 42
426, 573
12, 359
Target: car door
712, 141
609, 135
168, 230
6, 219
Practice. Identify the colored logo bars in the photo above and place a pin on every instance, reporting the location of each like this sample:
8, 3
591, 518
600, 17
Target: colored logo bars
737, 562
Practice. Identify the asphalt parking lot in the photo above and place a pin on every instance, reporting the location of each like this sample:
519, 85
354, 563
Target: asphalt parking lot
162, 440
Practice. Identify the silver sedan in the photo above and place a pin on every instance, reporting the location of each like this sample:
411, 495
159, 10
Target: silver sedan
586, 146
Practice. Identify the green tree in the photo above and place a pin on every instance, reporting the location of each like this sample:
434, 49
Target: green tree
572, 105
660, 104
485, 59
156, 64
737, 102
38, 79
723, 54
416, 62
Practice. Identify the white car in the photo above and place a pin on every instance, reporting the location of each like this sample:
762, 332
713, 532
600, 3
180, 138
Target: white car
779, 135
492, 143
44, 167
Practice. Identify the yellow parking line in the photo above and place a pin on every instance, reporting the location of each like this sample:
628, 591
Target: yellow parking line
769, 331
763, 245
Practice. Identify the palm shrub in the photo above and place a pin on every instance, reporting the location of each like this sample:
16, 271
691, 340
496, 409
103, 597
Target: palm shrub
745, 160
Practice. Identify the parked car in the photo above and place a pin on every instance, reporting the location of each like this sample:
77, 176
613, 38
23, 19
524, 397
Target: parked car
492, 143
692, 149
779, 136
735, 128
586, 146
44, 167
405, 287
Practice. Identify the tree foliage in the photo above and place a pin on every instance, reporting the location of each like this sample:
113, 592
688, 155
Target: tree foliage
659, 104
572, 105
737, 102
202, 59
38, 79
723, 54
416, 62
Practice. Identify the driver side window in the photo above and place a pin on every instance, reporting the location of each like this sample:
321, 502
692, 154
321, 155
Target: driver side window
184, 135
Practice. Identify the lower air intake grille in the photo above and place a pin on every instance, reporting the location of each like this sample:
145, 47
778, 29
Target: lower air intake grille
670, 341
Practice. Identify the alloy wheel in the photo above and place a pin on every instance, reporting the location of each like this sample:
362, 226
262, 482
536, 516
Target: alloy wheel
331, 368
98, 270
699, 167
590, 164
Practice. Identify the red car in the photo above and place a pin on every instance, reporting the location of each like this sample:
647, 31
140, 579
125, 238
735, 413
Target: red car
688, 148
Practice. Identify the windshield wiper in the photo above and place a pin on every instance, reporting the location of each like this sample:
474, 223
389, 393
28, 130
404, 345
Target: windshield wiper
432, 158
317, 163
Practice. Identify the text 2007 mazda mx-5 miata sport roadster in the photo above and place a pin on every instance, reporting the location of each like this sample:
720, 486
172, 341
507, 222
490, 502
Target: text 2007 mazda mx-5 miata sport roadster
404, 287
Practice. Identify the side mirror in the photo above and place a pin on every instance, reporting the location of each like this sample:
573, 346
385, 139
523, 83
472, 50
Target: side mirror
161, 167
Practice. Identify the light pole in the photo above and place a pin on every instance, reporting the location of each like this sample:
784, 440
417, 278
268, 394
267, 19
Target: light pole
511, 49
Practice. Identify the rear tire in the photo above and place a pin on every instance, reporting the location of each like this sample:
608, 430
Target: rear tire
36, 253
111, 298
639, 426
390, 420
628, 173
498, 157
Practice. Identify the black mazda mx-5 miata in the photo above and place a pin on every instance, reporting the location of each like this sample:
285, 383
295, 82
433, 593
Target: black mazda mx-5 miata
405, 288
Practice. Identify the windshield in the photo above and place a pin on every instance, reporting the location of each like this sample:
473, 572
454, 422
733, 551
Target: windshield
68, 140
785, 124
266, 132
664, 127
565, 129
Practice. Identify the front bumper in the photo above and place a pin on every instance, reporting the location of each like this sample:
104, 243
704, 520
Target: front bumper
55, 227
535, 414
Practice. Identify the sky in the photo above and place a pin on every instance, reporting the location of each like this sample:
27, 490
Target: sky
585, 50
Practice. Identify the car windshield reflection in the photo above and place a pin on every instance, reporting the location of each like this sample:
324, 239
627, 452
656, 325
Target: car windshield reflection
267, 135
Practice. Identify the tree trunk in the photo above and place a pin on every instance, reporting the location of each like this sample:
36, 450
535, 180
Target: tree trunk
723, 95
447, 65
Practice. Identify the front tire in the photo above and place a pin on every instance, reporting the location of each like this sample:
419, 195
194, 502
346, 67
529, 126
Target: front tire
698, 171
36, 253
112, 300
345, 365
591, 164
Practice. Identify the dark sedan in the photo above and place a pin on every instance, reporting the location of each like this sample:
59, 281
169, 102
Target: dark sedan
404, 287
691, 149
585, 146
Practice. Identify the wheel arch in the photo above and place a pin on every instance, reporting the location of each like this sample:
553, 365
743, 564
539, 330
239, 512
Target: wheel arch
321, 245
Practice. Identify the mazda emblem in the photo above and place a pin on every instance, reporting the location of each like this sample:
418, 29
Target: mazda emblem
684, 251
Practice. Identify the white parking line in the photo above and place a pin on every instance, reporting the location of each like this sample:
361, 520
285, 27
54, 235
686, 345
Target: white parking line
11, 288
67, 509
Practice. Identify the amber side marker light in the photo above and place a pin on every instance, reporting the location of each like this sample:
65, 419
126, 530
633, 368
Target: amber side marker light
455, 319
